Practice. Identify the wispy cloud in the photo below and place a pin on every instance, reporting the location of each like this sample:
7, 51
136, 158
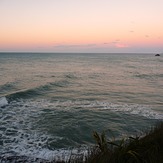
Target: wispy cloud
121, 45
105, 43
74, 45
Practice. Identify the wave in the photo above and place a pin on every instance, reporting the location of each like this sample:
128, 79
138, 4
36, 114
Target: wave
76, 105
3, 102
44, 155
134, 109
22, 94
23, 133
21, 137
7, 87
149, 76
36, 91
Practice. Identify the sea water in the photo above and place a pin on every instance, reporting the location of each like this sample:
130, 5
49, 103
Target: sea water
51, 103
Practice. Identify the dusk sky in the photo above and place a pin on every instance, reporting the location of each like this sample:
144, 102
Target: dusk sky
81, 26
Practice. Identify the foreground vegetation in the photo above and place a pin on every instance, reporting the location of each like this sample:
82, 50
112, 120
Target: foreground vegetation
145, 149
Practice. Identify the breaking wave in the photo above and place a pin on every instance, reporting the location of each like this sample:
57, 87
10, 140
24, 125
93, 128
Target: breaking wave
3, 102
21, 135
36, 91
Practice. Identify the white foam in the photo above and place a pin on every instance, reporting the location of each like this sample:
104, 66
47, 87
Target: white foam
133, 109
18, 118
3, 101
69, 105
59, 155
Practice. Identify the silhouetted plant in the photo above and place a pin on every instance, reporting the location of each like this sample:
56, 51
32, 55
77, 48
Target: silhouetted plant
101, 141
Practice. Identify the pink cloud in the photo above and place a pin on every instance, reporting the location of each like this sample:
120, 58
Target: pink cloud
121, 45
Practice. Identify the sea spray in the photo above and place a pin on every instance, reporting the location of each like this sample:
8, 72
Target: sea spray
3, 101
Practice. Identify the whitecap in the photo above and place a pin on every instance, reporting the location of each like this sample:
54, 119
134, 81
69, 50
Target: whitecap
70, 105
3, 102
133, 109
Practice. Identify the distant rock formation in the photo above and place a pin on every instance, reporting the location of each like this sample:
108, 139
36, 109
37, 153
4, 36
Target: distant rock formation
157, 55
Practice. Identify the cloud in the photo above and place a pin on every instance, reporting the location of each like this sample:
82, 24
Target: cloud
121, 45
116, 41
74, 45
118, 44
115, 44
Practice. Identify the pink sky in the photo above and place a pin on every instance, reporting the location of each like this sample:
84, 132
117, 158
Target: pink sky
81, 25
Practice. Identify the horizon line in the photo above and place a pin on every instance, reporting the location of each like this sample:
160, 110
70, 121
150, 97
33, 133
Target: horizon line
82, 52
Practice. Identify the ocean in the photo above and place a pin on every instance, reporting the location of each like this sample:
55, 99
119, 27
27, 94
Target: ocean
50, 103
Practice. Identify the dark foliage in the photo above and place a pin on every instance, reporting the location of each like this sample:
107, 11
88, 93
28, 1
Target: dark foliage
146, 149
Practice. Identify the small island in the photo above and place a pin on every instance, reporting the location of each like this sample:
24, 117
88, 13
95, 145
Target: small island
157, 55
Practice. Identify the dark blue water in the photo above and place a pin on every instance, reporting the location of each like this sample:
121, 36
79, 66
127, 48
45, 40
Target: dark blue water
51, 103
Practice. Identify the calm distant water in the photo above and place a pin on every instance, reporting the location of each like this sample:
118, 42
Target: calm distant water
51, 103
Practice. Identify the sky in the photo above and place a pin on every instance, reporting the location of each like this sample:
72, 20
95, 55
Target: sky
81, 26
